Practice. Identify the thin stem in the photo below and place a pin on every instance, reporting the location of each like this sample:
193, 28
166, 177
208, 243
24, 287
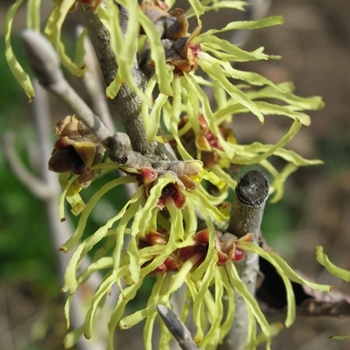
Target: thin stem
46, 66
92, 80
126, 104
33, 183
177, 328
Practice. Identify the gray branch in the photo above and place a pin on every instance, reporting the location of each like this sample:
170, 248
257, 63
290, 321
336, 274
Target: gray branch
177, 328
126, 104
246, 215
92, 80
45, 186
46, 66
33, 183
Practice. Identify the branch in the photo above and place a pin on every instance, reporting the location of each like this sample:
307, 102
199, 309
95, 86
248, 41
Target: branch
247, 211
177, 328
126, 104
45, 186
46, 66
92, 80
34, 184
248, 206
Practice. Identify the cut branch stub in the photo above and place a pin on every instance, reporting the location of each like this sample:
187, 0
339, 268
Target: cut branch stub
253, 188
248, 207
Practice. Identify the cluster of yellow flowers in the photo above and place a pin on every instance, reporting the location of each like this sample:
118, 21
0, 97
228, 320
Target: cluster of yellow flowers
167, 227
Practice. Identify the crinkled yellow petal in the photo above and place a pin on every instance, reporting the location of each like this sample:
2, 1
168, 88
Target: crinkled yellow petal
231, 52
211, 257
252, 327
251, 303
236, 94
237, 5
191, 292
176, 222
101, 292
128, 294
288, 155
197, 8
163, 72
339, 337
249, 77
101, 264
74, 239
124, 49
197, 196
53, 32
213, 200
248, 158
71, 193
213, 335
15, 67
70, 279
229, 303
268, 108
295, 102
291, 309
80, 48
160, 258
33, 15
275, 329
191, 103
323, 259
121, 229
208, 114
190, 220
281, 266
277, 184
175, 118
134, 257
67, 307
72, 337
225, 177
129, 49
153, 120
238, 25
198, 305
160, 288
214, 178
110, 19
144, 215
133, 319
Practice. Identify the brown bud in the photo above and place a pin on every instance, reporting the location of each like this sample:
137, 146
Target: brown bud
77, 150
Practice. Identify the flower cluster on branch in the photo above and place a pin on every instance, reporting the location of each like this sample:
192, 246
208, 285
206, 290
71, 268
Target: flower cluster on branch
174, 226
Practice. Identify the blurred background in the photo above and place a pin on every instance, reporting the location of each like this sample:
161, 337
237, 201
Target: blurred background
315, 45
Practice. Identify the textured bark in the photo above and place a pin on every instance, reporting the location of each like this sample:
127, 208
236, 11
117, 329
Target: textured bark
247, 211
126, 104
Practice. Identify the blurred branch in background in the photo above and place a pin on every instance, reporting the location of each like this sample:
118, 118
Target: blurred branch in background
46, 187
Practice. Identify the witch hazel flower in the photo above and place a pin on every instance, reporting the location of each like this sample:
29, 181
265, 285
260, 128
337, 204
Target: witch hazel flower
162, 37
171, 227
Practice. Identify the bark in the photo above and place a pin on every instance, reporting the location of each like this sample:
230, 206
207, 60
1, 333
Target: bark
247, 211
